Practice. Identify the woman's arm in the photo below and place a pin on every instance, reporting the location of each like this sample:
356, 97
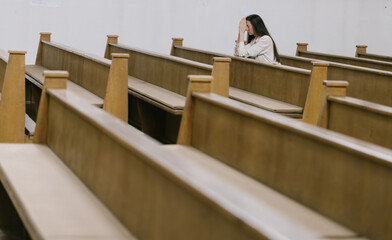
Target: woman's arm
253, 50
241, 32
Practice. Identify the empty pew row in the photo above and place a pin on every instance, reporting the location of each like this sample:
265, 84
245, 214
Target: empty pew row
99, 81
343, 178
286, 90
125, 185
364, 83
37, 186
355, 117
361, 53
361, 62
157, 85
14, 122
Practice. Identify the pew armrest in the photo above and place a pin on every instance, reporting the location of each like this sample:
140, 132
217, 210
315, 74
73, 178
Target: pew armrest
51, 201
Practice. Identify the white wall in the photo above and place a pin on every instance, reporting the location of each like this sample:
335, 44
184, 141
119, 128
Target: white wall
332, 26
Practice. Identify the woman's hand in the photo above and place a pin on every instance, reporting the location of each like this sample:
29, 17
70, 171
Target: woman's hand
242, 26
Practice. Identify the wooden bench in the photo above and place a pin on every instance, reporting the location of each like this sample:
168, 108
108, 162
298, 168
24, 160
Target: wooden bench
153, 193
157, 85
361, 62
97, 80
354, 117
12, 103
341, 177
286, 90
365, 83
361, 53
51, 201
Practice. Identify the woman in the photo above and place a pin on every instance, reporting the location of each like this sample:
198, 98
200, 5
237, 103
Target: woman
261, 46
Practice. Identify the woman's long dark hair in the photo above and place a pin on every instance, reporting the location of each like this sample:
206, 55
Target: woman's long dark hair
261, 30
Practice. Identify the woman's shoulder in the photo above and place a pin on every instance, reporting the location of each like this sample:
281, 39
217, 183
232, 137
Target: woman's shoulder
265, 38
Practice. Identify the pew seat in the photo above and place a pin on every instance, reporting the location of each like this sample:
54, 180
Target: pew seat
265, 103
167, 100
49, 196
175, 103
34, 73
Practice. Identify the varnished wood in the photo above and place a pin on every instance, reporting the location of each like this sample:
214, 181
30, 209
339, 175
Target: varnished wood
315, 91
56, 80
116, 97
198, 84
365, 83
332, 88
95, 78
110, 39
360, 50
298, 160
44, 36
361, 62
301, 47
286, 90
51, 201
158, 83
354, 117
12, 103
361, 53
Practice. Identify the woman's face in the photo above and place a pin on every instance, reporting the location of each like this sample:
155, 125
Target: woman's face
250, 28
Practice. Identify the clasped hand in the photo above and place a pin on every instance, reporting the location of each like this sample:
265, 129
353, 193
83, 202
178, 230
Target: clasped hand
242, 26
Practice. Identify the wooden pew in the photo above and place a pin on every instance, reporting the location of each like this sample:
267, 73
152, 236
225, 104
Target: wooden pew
286, 90
361, 53
365, 83
354, 117
341, 177
47, 196
99, 81
361, 62
152, 192
12, 103
157, 85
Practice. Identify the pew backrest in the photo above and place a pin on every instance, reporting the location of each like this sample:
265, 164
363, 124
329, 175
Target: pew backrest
106, 79
361, 62
365, 83
354, 117
295, 86
296, 159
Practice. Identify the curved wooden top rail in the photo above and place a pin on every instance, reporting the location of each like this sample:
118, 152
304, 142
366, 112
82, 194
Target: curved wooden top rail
168, 164
369, 106
362, 148
339, 65
252, 61
89, 56
167, 57
347, 57
375, 57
